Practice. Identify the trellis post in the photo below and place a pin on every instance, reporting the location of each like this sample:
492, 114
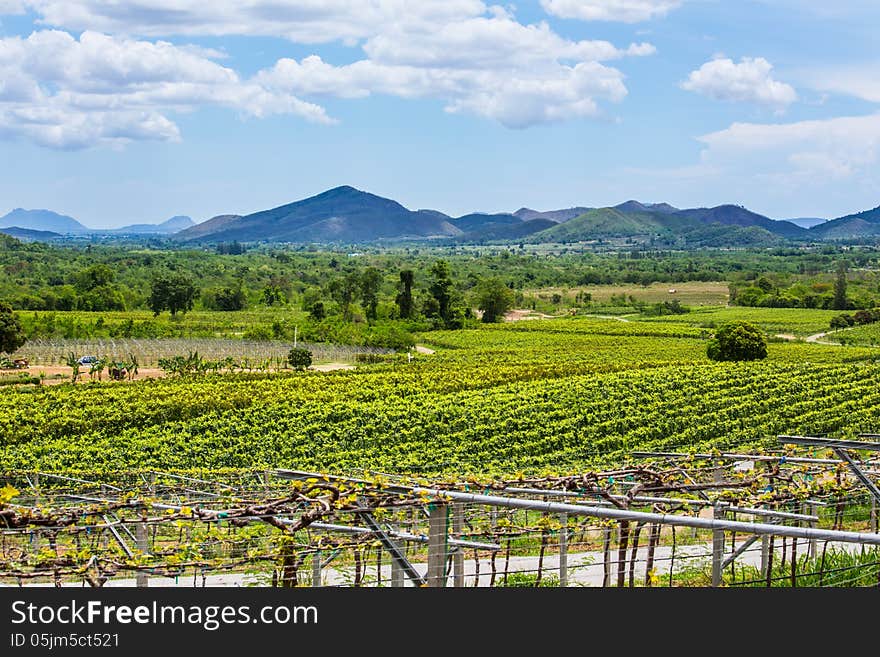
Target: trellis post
437, 540
717, 536
143, 546
563, 549
316, 569
458, 555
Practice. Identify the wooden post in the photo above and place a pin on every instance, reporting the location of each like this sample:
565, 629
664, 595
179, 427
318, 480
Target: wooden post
437, 544
316, 569
812, 509
35, 536
143, 546
765, 554
458, 555
396, 575
717, 547
563, 549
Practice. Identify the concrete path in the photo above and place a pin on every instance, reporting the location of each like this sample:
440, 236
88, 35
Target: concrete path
584, 568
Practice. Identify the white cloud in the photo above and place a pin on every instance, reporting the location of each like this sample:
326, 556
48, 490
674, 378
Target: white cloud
303, 21
67, 93
859, 82
473, 58
626, 11
516, 101
807, 150
494, 67
750, 80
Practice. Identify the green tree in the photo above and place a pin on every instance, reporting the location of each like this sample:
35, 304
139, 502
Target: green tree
227, 298
273, 295
494, 298
11, 334
840, 300
371, 280
441, 289
317, 312
404, 298
299, 359
737, 341
95, 276
172, 292
345, 291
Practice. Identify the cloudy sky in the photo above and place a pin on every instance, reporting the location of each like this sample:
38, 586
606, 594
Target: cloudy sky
122, 111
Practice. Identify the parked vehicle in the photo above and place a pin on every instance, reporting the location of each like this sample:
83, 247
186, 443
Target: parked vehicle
88, 360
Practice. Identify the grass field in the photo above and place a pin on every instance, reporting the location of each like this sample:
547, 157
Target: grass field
689, 294
793, 321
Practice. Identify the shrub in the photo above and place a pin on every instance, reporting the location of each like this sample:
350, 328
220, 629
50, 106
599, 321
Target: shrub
842, 321
737, 341
299, 359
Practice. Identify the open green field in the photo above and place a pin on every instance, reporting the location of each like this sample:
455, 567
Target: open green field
792, 321
691, 293
539, 395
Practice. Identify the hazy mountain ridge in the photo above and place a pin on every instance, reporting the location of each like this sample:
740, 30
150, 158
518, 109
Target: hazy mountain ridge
348, 215
43, 220
342, 214
38, 221
27, 235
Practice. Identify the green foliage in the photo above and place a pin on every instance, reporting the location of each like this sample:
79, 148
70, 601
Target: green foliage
737, 341
527, 580
371, 280
494, 298
12, 336
404, 299
840, 300
842, 321
172, 292
226, 299
299, 359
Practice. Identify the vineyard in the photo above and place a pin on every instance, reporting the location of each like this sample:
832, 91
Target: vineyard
776, 518
530, 402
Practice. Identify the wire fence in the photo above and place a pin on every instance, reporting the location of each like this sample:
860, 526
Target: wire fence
737, 520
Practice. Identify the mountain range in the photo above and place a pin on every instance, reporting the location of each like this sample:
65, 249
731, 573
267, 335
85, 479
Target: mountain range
345, 215
60, 225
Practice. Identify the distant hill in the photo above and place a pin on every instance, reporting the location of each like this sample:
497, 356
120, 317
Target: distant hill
43, 220
27, 235
735, 215
635, 206
212, 225
854, 226
169, 227
343, 214
503, 232
683, 228
559, 216
475, 222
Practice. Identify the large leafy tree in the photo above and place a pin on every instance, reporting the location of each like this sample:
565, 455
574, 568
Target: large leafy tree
172, 292
737, 341
405, 296
11, 334
494, 298
840, 300
345, 292
441, 289
371, 280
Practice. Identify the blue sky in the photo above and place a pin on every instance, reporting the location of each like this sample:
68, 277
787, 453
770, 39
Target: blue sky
128, 111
